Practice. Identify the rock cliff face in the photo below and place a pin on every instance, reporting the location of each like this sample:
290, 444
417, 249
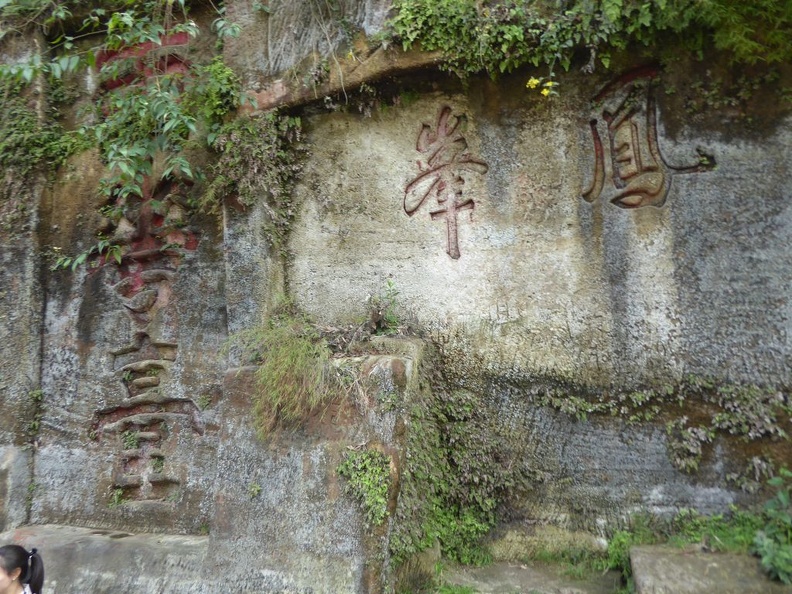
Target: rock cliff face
557, 258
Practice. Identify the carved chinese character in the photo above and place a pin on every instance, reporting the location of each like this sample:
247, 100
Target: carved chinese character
631, 157
446, 159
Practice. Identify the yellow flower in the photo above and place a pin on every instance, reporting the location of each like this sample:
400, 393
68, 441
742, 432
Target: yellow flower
546, 91
550, 83
532, 83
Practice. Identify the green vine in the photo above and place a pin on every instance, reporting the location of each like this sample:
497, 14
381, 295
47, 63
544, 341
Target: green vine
36, 415
26, 142
748, 412
29, 143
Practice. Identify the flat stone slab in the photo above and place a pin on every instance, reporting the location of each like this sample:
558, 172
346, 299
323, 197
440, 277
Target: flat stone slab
113, 561
668, 570
83, 560
510, 578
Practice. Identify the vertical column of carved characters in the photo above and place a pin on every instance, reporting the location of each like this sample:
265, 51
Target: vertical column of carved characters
152, 230
142, 367
147, 272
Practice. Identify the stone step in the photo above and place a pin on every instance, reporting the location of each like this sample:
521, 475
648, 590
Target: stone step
533, 578
661, 569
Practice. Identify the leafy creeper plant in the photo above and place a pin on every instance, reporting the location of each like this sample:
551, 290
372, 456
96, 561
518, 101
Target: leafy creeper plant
368, 480
773, 543
498, 36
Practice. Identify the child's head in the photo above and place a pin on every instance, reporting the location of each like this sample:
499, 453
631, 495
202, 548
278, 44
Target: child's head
16, 564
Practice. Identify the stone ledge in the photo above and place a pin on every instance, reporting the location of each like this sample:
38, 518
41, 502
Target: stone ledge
345, 75
667, 570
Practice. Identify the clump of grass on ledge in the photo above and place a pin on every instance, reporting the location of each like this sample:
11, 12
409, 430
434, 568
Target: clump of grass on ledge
294, 379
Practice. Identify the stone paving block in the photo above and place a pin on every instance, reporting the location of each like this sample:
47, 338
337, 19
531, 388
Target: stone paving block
667, 570
509, 578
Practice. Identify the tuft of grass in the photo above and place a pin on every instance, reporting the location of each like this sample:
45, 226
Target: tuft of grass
294, 379
130, 439
116, 498
733, 532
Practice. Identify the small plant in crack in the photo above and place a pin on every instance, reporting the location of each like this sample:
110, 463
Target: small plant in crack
116, 498
130, 440
157, 465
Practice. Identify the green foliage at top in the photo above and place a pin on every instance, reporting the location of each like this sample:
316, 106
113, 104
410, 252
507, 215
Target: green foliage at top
499, 36
216, 91
755, 31
368, 480
151, 112
140, 122
158, 113
145, 112
118, 23
160, 117
773, 543
293, 379
259, 159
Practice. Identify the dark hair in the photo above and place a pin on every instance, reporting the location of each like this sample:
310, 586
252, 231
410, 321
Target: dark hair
30, 565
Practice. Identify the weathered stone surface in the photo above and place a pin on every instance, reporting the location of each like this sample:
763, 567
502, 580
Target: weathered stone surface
532, 274
665, 570
279, 503
276, 40
21, 307
546, 282
343, 79
521, 544
504, 578
522, 239
305, 50
254, 274
593, 474
20, 344
16, 473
